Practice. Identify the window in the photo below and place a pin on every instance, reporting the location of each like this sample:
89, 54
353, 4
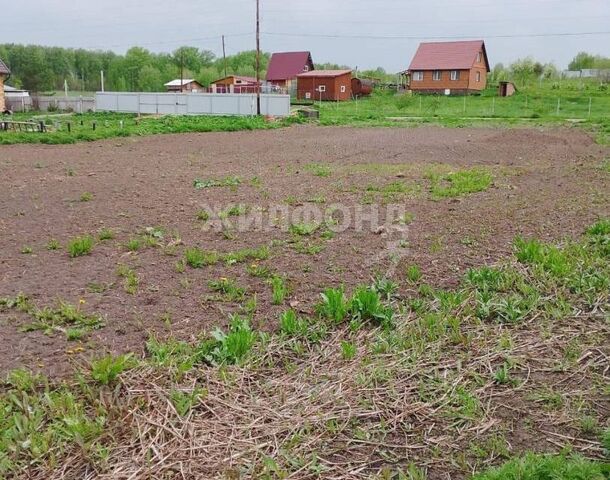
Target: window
306, 68
479, 57
322, 88
418, 76
436, 75
455, 74
307, 95
478, 76
342, 88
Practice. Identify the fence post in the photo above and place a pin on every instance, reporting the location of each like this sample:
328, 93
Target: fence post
464, 104
558, 104
493, 105
590, 102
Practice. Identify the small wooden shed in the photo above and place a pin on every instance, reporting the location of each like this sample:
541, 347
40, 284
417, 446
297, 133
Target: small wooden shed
234, 84
506, 89
325, 85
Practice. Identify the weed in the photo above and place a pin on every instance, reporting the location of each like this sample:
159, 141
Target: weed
457, 184
80, 246
86, 197
589, 425
279, 289
293, 326
105, 234
229, 347
385, 287
414, 274
53, 245
259, 271
134, 244
224, 182
366, 305
197, 258
228, 288
202, 215
106, 369
334, 305
131, 279
535, 467
318, 169
303, 229
26, 250
348, 350
50, 320
234, 211
184, 402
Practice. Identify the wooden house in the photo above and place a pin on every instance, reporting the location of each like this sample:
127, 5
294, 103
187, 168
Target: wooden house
325, 85
285, 66
234, 84
4, 74
449, 68
189, 85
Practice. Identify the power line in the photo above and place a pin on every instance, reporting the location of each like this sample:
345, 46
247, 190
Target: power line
440, 37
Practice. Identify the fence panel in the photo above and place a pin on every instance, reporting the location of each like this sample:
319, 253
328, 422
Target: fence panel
192, 103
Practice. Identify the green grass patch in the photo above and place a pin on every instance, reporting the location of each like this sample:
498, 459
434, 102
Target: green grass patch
459, 183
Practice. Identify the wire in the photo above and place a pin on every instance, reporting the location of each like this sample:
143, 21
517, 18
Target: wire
445, 37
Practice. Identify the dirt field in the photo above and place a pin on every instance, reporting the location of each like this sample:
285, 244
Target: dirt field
547, 184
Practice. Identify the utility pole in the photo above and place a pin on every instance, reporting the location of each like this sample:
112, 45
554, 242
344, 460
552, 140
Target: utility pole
224, 55
181, 70
258, 59
102, 79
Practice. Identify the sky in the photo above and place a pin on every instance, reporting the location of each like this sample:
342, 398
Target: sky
357, 33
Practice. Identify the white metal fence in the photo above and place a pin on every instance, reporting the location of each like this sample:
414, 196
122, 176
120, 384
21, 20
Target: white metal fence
47, 104
191, 103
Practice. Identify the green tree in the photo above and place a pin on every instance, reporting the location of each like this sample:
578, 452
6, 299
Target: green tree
581, 61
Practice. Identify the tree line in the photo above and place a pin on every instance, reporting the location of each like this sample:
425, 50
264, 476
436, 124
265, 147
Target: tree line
38, 68
41, 69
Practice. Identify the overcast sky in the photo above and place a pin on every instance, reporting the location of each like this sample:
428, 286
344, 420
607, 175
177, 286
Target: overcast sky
357, 33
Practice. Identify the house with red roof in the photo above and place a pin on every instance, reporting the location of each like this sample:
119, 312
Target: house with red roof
4, 74
285, 66
450, 68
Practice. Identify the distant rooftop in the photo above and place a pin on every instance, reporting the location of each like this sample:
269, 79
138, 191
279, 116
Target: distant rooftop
325, 73
176, 83
4, 70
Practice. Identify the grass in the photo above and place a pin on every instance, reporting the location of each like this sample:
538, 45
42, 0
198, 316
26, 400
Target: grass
229, 289
538, 467
318, 169
223, 182
434, 367
64, 318
459, 183
279, 289
108, 126
105, 234
80, 246
384, 108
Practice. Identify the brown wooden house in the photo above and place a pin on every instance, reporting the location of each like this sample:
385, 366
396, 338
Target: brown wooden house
4, 74
450, 68
325, 85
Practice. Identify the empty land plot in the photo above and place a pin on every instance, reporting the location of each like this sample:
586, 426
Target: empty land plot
109, 244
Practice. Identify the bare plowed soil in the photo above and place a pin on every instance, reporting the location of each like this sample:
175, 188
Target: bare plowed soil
546, 183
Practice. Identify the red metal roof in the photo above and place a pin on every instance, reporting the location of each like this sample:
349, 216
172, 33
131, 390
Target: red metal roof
3, 68
325, 73
287, 65
447, 55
